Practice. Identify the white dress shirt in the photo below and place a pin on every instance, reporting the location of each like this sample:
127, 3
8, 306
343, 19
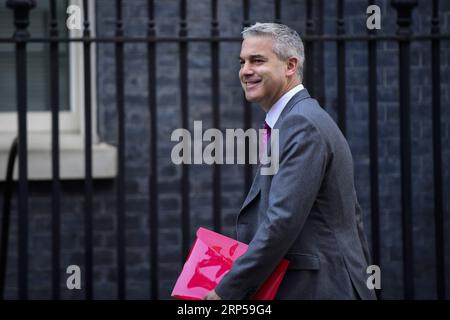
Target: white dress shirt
274, 112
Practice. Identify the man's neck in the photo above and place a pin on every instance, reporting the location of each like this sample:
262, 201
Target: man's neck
293, 84
275, 111
290, 85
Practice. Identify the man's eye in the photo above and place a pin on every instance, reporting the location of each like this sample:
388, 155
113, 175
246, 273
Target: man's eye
259, 61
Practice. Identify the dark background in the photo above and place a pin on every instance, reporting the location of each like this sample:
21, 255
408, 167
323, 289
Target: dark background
324, 86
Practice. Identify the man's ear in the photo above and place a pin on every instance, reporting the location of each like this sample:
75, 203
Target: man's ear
292, 64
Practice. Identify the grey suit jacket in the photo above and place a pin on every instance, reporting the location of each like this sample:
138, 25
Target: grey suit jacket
307, 213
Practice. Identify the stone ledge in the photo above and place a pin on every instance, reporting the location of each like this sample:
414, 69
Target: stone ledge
104, 157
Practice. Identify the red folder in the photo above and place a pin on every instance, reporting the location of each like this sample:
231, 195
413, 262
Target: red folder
210, 259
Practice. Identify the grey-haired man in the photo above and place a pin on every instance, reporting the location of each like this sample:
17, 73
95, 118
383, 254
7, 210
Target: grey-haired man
308, 211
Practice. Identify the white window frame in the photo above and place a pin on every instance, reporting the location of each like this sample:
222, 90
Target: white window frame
71, 123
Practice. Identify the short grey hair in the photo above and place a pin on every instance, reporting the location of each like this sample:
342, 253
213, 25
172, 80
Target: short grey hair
286, 41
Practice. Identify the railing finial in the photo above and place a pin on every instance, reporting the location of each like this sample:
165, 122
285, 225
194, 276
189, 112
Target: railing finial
404, 13
21, 10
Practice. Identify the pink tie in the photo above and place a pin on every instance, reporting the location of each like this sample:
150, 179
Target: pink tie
268, 131
266, 140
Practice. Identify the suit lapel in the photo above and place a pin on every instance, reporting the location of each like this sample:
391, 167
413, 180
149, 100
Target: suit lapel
254, 189
299, 96
256, 185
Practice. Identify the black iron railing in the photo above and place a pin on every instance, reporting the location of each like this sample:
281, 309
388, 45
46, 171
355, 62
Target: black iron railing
6, 217
404, 37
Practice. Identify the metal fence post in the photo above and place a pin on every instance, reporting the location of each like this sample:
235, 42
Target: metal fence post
6, 218
153, 156
437, 154
404, 11
21, 10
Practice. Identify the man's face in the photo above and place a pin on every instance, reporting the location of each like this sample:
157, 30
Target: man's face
263, 76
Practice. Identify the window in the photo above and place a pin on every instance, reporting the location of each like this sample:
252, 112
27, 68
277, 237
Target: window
71, 97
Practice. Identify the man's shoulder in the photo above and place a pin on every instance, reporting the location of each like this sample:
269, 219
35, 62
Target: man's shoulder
308, 112
308, 109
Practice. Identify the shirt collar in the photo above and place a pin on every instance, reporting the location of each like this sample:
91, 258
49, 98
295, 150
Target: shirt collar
274, 112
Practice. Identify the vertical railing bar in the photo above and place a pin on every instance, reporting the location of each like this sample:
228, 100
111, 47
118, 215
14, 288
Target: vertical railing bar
88, 186
21, 21
6, 218
404, 10
277, 4
185, 190
405, 128
437, 156
153, 177
318, 66
119, 51
215, 95
56, 185
247, 111
22, 106
373, 138
342, 103
309, 49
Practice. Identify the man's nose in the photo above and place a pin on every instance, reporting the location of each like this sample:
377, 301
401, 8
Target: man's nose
246, 69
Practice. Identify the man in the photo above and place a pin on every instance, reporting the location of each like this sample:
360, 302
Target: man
308, 211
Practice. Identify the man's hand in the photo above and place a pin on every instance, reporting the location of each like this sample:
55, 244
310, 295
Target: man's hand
212, 295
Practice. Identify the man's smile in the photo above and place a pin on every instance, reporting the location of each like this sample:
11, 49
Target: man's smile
251, 83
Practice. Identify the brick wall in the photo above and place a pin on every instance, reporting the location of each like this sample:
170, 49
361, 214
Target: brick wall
389, 136
231, 110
